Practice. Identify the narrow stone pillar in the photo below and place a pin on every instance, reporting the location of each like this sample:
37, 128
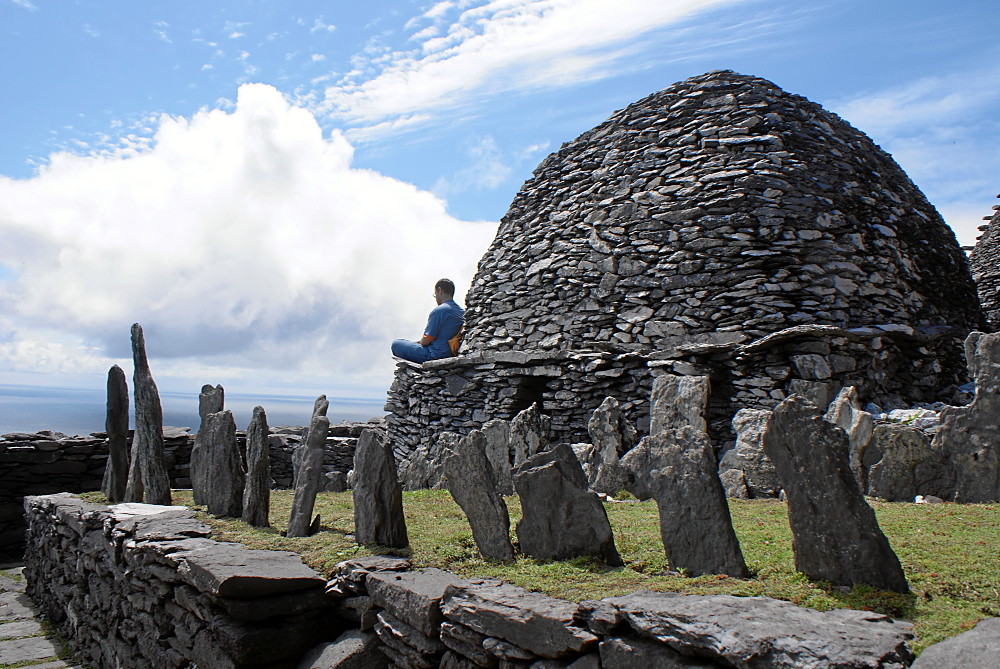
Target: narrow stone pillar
310, 473
320, 407
151, 480
611, 436
211, 400
116, 426
835, 535
223, 469
472, 483
378, 497
257, 493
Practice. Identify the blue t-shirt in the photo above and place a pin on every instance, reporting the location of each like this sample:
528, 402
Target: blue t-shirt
443, 324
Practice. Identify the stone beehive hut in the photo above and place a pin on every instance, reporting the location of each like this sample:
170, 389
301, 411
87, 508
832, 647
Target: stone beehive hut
986, 268
720, 226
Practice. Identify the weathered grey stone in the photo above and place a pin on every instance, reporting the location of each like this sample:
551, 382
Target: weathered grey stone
309, 477
538, 623
636, 652
378, 498
15, 651
471, 482
497, 447
529, 432
747, 456
969, 433
235, 572
453, 660
979, 648
223, 471
466, 642
901, 462
406, 639
758, 632
835, 536
116, 425
353, 649
846, 413
150, 480
412, 596
678, 401
611, 435
422, 468
677, 468
351, 576
212, 399
257, 493
504, 650
561, 517
320, 407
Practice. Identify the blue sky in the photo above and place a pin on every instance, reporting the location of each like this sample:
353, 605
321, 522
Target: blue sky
271, 188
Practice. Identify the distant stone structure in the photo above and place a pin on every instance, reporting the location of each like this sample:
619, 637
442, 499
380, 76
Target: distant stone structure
985, 260
720, 227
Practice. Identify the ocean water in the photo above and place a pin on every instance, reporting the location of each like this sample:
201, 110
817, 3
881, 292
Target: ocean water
75, 411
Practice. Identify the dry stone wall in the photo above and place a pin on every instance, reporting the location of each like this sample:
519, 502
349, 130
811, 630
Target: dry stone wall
985, 260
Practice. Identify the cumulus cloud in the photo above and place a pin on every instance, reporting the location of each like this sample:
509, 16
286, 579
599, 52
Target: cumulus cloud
496, 46
243, 241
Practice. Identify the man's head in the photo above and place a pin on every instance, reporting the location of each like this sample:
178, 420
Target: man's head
444, 290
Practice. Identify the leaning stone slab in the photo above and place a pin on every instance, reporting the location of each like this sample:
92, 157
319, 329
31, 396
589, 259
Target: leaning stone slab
222, 468
752, 632
227, 570
353, 649
148, 477
308, 476
979, 648
835, 535
677, 468
677, 401
413, 596
969, 433
561, 517
378, 498
538, 623
471, 482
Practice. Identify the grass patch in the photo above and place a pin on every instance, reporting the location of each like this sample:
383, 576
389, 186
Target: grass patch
949, 552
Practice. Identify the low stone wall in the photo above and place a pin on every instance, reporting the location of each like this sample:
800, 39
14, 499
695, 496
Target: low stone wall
48, 462
891, 365
139, 586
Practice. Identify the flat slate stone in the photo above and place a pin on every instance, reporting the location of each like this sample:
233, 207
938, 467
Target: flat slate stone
413, 596
19, 628
25, 650
225, 570
636, 652
15, 606
353, 649
535, 622
979, 648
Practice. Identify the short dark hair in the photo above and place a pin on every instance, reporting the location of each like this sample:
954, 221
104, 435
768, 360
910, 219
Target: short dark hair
447, 287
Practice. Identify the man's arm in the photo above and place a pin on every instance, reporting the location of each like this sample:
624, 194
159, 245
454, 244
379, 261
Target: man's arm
426, 340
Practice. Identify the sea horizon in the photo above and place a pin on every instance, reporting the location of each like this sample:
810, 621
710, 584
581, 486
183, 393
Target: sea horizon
76, 411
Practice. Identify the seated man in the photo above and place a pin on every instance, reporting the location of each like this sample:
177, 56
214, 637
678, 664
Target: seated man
444, 323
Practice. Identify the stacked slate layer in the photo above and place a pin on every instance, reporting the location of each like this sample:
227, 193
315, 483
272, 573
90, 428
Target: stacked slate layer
694, 222
985, 260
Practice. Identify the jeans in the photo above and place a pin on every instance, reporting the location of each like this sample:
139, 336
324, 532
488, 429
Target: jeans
410, 350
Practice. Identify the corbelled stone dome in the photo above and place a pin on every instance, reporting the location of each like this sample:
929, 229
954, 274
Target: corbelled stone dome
986, 269
719, 204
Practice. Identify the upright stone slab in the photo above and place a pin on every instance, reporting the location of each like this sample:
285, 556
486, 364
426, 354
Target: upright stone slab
116, 425
969, 433
561, 517
471, 482
611, 436
756, 472
212, 399
320, 406
497, 444
901, 462
223, 469
529, 432
677, 401
835, 536
151, 481
378, 498
257, 493
846, 413
421, 470
309, 477
677, 468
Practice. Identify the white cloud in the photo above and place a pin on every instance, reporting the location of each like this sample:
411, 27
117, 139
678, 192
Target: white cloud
244, 242
26, 5
498, 46
486, 171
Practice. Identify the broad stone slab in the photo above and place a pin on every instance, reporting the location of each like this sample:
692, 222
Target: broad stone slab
969, 433
412, 596
901, 462
758, 632
835, 535
227, 570
561, 517
353, 649
471, 482
378, 498
223, 470
538, 623
747, 457
211, 400
637, 652
979, 648
677, 401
